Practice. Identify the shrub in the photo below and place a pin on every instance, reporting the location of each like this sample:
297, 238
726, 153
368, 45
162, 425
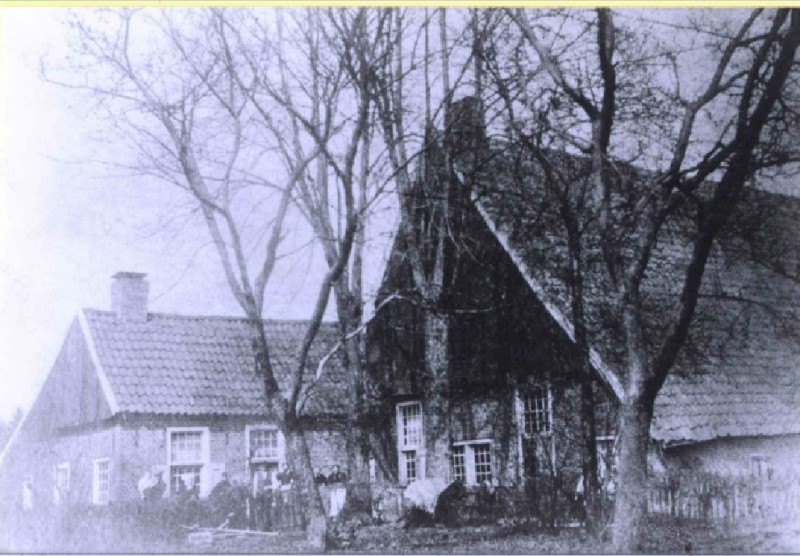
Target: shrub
451, 507
417, 517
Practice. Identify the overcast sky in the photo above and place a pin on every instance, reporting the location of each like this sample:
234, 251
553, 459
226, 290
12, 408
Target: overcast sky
67, 225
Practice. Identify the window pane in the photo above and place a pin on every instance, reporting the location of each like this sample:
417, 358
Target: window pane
184, 477
459, 464
536, 411
410, 458
411, 421
483, 463
101, 477
264, 443
62, 479
187, 447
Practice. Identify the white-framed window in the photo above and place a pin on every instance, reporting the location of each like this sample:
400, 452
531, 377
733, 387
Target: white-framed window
759, 466
410, 442
459, 463
188, 459
266, 451
61, 482
537, 410
471, 462
265, 443
101, 481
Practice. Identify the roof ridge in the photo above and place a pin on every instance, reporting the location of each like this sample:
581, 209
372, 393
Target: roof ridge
210, 317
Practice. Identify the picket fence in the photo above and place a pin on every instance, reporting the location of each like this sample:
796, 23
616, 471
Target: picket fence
720, 498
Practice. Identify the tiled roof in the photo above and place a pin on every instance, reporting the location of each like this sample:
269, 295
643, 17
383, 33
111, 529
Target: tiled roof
175, 364
739, 375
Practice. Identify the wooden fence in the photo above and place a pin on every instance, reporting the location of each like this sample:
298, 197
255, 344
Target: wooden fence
730, 499
275, 510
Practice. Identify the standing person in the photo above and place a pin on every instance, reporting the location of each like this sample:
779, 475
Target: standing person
259, 506
157, 486
337, 480
319, 477
286, 480
146, 482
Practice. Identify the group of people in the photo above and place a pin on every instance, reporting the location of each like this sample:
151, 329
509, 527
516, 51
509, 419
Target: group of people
335, 480
151, 485
329, 475
274, 503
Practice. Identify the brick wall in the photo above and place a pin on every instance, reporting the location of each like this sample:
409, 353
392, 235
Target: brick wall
38, 459
144, 445
327, 448
134, 447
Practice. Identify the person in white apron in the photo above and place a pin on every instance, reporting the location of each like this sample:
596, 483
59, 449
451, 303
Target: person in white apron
336, 482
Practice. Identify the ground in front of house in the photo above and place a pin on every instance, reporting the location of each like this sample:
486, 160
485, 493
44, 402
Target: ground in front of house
664, 535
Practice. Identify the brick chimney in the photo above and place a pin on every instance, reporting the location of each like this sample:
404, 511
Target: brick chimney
465, 131
129, 291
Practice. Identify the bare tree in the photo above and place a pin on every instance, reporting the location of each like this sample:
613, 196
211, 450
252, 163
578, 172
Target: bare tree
215, 103
341, 49
428, 193
625, 101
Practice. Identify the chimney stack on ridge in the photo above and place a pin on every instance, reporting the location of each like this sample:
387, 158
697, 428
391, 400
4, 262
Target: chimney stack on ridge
129, 292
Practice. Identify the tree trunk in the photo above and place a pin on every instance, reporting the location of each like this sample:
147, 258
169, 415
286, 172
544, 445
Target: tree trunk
588, 434
437, 414
300, 459
591, 486
631, 475
356, 444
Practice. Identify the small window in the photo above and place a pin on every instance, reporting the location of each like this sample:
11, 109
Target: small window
409, 465
759, 466
100, 481
62, 477
471, 462
187, 457
410, 441
61, 486
537, 410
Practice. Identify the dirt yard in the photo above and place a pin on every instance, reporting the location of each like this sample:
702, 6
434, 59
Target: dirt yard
665, 535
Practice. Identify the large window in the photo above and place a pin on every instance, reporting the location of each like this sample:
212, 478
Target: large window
265, 449
410, 441
187, 456
100, 481
471, 462
537, 410
264, 443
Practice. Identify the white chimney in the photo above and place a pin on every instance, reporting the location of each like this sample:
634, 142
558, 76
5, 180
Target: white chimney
129, 291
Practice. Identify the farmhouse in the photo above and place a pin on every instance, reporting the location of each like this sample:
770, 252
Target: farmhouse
731, 406
132, 391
